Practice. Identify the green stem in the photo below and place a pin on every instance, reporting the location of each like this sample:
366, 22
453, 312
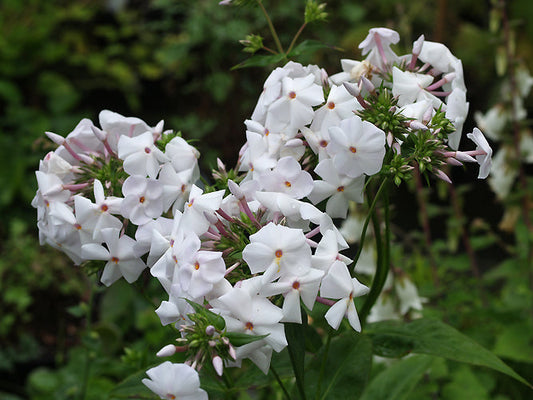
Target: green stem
88, 359
271, 27
383, 259
367, 220
280, 383
323, 365
296, 37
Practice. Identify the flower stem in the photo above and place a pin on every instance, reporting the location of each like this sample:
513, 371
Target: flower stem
271, 27
280, 383
367, 220
383, 256
296, 37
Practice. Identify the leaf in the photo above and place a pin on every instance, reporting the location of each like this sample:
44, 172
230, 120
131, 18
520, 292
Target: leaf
132, 387
295, 334
345, 369
240, 339
397, 381
260, 61
431, 336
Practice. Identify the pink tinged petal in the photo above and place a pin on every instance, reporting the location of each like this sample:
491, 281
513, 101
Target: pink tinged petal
336, 313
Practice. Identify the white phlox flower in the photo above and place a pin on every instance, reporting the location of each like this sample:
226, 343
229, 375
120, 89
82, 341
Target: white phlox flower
339, 188
294, 109
115, 125
277, 251
328, 251
409, 87
287, 177
254, 315
182, 155
357, 147
119, 254
198, 204
143, 199
339, 105
456, 112
141, 156
377, 46
338, 284
484, 158
175, 381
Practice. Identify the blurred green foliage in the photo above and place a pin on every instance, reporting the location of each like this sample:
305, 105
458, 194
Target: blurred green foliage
63, 60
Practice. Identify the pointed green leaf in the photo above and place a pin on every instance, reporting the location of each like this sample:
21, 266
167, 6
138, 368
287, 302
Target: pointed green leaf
430, 336
240, 339
397, 381
344, 371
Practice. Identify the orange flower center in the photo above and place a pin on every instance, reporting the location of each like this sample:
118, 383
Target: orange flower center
331, 105
115, 260
104, 207
279, 253
141, 199
340, 189
353, 149
288, 184
292, 95
296, 285
249, 326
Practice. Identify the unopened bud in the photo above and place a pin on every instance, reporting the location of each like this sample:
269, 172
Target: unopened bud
218, 365
54, 137
100, 134
461, 156
369, 86
453, 161
231, 352
441, 175
86, 159
417, 125
449, 77
417, 45
352, 88
235, 189
221, 165
210, 330
294, 143
167, 351
158, 129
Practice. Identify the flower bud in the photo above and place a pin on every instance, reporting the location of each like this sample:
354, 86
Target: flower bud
167, 351
218, 365
210, 330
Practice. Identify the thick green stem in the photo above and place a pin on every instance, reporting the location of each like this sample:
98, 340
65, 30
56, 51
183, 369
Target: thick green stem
271, 27
383, 257
323, 366
367, 220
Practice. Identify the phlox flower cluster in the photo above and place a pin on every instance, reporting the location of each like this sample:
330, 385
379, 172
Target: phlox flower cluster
240, 258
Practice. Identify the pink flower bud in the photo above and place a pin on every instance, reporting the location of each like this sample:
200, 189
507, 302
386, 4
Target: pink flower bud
210, 330
218, 365
54, 137
235, 189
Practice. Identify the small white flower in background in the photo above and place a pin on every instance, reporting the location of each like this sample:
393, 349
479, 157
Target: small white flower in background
485, 157
377, 46
175, 381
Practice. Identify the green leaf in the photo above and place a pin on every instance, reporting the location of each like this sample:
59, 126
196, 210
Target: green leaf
240, 339
132, 387
295, 334
345, 370
397, 381
431, 336
260, 61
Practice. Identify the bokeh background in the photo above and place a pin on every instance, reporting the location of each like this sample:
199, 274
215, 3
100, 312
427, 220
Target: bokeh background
61, 61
